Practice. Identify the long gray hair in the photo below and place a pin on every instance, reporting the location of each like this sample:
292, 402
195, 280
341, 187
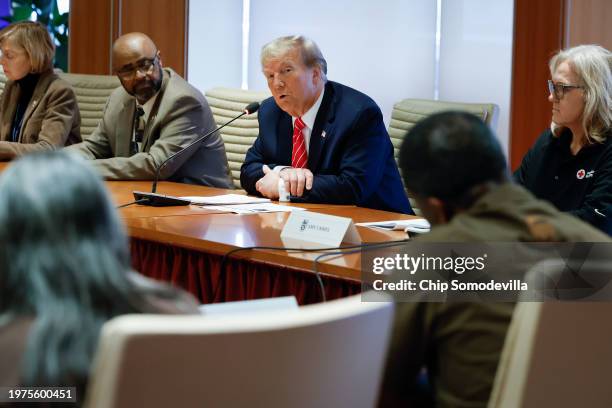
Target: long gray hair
593, 66
64, 262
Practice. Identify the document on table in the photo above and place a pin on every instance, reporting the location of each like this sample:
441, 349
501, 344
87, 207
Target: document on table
255, 208
225, 199
418, 225
239, 204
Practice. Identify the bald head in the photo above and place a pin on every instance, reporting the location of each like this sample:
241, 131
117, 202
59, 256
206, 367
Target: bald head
137, 63
131, 47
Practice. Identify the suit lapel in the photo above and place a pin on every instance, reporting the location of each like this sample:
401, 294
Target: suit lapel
151, 124
284, 138
39, 92
125, 127
322, 128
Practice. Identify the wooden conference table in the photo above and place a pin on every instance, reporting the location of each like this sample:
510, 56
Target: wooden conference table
185, 245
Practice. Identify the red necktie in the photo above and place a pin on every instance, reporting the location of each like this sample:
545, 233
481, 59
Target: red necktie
299, 156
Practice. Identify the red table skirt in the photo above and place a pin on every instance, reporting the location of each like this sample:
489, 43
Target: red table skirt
199, 273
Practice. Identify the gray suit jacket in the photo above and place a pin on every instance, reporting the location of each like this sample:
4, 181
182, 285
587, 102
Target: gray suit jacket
183, 115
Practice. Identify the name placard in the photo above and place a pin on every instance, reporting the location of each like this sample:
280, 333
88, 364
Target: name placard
321, 229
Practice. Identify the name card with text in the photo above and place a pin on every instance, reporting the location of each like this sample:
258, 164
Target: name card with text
321, 229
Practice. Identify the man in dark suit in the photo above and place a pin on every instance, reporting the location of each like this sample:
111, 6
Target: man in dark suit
340, 152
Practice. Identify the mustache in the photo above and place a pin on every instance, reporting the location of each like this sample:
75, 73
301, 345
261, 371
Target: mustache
147, 85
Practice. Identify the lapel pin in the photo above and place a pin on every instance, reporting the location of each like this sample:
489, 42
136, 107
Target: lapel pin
323, 134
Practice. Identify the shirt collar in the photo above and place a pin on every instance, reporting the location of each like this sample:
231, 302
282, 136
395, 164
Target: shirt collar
564, 141
309, 117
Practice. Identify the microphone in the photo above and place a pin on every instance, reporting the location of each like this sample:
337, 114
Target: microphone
160, 200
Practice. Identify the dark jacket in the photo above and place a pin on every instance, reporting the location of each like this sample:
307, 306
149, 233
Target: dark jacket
580, 184
350, 153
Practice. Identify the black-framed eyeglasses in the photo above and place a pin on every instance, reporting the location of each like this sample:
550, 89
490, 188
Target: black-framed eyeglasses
559, 90
144, 66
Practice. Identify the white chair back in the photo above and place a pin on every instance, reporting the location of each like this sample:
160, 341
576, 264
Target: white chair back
238, 137
558, 354
323, 355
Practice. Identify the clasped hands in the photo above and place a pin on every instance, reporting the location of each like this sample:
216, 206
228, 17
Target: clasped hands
295, 181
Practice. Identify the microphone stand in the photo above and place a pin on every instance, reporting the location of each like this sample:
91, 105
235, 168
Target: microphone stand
160, 200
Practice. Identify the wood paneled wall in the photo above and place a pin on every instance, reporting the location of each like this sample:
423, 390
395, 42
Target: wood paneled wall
90, 37
94, 25
590, 22
164, 21
539, 29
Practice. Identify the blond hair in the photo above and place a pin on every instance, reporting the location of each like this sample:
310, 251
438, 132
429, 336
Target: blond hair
593, 66
34, 38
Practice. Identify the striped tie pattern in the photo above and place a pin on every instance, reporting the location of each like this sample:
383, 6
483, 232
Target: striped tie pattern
299, 157
139, 126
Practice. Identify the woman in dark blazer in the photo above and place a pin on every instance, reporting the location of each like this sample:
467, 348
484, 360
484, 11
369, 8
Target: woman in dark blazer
38, 110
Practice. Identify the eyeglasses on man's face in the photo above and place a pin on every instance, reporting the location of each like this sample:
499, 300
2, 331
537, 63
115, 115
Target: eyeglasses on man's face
143, 66
559, 90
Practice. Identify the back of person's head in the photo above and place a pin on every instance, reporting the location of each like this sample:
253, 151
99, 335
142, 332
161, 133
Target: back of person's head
593, 66
447, 155
34, 38
64, 263
56, 220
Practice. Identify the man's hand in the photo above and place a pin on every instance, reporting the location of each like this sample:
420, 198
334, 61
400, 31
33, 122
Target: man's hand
296, 180
268, 184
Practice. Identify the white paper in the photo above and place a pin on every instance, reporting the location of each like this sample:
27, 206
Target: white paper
226, 199
255, 208
414, 225
277, 304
